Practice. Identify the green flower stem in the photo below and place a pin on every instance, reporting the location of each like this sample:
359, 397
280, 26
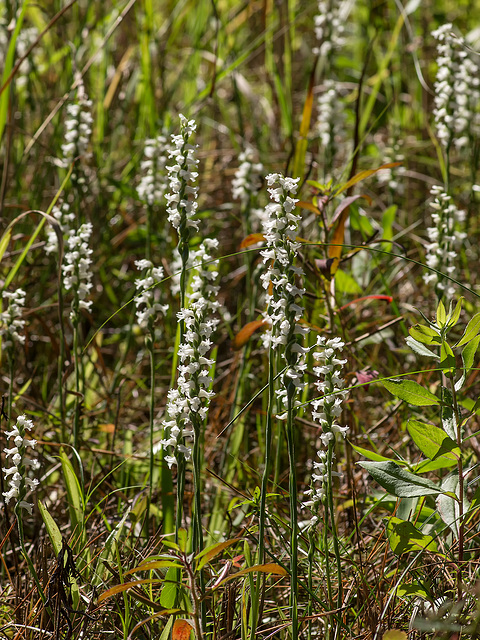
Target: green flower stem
292, 487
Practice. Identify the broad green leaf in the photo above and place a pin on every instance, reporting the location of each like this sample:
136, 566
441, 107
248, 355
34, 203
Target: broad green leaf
52, 528
398, 481
388, 218
394, 634
432, 441
419, 348
403, 537
448, 506
441, 314
169, 593
411, 392
371, 455
424, 334
471, 331
426, 466
413, 590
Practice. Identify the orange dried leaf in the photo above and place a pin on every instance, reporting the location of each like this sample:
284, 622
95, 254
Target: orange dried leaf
365, 174
246, 332
309, 206
211, 552
253, 238
181, 630
119, 588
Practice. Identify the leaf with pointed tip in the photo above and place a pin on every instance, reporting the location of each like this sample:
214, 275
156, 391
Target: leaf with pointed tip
441, 314
253, 238
471, 331
212, 551
399, 482
246, 332
404, 537
411, 392
433, 442
181, 630
420, 348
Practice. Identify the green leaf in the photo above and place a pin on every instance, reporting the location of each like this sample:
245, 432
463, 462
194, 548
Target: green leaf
453, 316
398, 481
419, 348
403, 537
441, 314
424, 334
75, 499
447, 357
371, 455
432, 441
415, 590
411, 392
51, 527
471, 330
169, 592
468, 358
166, 632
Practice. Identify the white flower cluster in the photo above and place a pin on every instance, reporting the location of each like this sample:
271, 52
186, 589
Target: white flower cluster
147, 309
248, 177
280, 282
25, 39
77, 274
65, 218
445, 239
182, 199
330, 25
78, 129
11, 321
19, 482
153, 184
392, 153
187, 405
326, 410
457, 90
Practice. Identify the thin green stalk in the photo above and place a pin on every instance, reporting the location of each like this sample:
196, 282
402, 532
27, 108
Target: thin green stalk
292, 486
151, 414
334, 533
76, 421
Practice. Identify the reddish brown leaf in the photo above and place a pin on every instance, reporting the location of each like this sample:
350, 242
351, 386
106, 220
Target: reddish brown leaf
246, 332
181, 630
253, 238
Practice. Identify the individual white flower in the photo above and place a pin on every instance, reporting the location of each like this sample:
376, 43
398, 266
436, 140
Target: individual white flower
182, 175
153, 184
77, 274
187, 405
17, 477
11, 322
